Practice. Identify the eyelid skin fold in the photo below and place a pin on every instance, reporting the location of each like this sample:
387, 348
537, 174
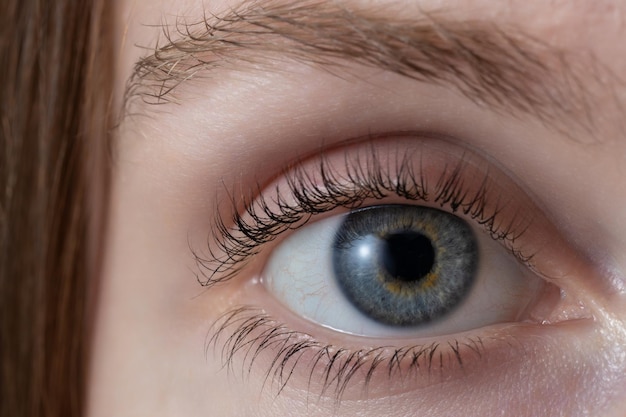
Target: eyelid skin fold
422, 170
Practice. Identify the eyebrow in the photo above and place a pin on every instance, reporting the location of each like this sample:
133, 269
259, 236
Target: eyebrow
494, 66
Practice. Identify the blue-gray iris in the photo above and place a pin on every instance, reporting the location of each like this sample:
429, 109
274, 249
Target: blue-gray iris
404, 265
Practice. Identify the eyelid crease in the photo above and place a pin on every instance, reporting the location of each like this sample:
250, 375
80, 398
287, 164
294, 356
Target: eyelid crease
407, 173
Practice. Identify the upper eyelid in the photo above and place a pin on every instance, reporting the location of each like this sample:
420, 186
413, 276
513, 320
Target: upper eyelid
237, 238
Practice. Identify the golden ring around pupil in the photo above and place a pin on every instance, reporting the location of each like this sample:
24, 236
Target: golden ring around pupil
410, 289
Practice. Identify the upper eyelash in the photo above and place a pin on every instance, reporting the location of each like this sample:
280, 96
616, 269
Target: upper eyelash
239, 239
248, 332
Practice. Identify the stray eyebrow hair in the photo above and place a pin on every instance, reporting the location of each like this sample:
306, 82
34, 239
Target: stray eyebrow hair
494, 66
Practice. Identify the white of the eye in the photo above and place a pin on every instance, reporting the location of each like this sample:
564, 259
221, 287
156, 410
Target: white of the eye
299, 274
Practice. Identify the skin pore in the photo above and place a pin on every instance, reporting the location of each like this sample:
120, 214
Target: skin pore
224, 110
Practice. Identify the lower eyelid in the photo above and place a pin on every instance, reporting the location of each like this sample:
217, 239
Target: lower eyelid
259, 336
248, 340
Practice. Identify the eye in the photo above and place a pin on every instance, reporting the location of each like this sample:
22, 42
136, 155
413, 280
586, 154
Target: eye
398, 270
400, 254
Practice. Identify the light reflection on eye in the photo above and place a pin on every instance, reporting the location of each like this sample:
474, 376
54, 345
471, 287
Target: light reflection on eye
354, 292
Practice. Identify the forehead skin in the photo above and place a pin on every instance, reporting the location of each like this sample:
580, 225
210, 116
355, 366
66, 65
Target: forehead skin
151, 319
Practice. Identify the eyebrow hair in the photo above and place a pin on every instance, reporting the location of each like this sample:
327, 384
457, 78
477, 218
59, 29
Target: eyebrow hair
494, 66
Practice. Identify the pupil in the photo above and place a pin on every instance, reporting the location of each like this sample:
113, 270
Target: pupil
408, 256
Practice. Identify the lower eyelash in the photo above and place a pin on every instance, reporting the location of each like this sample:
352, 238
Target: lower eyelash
245, 334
